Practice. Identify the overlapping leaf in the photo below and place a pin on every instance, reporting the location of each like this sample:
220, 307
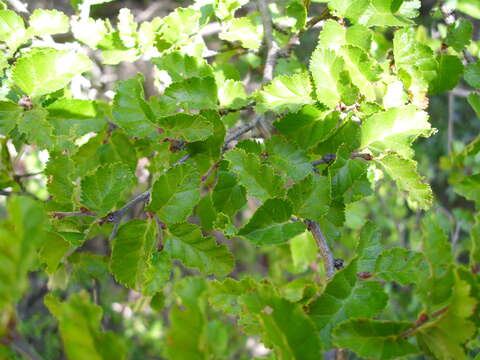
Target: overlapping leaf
346, 297
175, 193
403, 172
271, 224
376, 339
285, 93
186, 243
130, 110
135, 264
259, 180
43, 71
395, 130
80, 327
311, 197
100, 191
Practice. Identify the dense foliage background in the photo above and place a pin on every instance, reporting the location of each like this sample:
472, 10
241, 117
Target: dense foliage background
234, 179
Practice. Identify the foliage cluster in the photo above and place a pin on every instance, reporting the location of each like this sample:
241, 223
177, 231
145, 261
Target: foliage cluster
257, 200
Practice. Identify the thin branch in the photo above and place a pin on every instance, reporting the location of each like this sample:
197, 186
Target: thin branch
24, 193
22, 347
150, 11
235, 134
422, 319
295, 39
328, 259
19, 176
18, 6
64, 214
210, 171
116, 216
249, 106
182, 160
272, 47
328, 158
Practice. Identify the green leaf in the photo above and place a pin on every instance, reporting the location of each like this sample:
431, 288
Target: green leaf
188, 127
472, 74
474, 101
271, 224
59, 172
449, 72
363, 70
469, 187
346, 134
186, 243
309, 126
288, 158
37, 129
43, 71
80, 328
415, 63
182, 66
436, 288
377, 12
175, 194
225, 295
374, 339
335, 35
194, 93
228, 195
10, 113
54, 249
12, 29
283, 325
101, 190
437, 336
326, 68
400, 265
232, 94
181, 344
403, 172
180, 24
135, 263
368, 249
206, 153
475, 243
127, 28
469, 7
459, 34
244, 30
48, 22
304, 251
206, 212
311, 197
285, 93
345, 297
225, 9
395, 130
260, 180
349, 177
77, 117
21, 235
89, 31
130, 110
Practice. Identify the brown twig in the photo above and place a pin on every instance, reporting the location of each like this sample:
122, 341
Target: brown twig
422, 319
328, 158
328, 259
249, 106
